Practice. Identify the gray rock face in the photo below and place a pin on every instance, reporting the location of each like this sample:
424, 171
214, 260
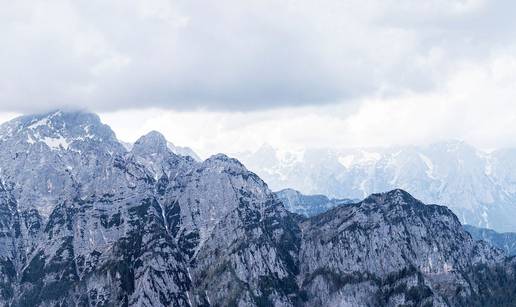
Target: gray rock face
91, 229
388, 241
84, 222
47, 158
308, 205
178, 150
505, 241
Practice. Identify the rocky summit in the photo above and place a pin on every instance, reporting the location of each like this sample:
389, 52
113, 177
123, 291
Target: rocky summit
87, 221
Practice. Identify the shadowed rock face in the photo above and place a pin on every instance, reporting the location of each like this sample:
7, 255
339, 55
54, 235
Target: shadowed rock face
84, 222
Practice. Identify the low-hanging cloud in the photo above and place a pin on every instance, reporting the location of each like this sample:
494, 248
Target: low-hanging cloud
236, 55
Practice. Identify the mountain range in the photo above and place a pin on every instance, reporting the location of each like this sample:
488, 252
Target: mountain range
308, 205
86, 222
505, 241
478, 186
312, 205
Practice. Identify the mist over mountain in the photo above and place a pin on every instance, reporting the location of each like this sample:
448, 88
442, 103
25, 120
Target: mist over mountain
478, 186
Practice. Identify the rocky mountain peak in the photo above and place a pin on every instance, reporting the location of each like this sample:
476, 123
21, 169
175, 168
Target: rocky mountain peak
151, 142
154, 142
58, 130
396, 196
396, 239
222, 160
400, 206
49, 154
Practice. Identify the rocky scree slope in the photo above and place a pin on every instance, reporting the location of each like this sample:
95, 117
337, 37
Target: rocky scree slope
85, 222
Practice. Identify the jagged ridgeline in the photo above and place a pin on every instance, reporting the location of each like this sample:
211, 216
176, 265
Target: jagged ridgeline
87, 221
478, 186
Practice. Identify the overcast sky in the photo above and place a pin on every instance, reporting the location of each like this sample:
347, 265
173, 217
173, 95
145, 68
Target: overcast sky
231, 75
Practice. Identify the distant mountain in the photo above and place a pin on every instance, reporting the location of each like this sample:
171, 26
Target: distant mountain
308, 205
480, 187
86, 222
505, 241
183, 151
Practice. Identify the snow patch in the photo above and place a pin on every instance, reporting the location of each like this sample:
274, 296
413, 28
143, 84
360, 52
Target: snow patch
488, 169
290, 157
447, 267
429, 166
369, 157
39, 123
30, 140
56, 143
485, 218
346, 161
363, 158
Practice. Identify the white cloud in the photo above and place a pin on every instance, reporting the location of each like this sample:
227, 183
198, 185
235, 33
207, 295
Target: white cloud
231, 75
477, 104
234, 55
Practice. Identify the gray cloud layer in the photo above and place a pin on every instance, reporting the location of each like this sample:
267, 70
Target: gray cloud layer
237, 55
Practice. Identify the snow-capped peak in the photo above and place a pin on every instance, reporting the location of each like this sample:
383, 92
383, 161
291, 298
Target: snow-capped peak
57, 130
152, 141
